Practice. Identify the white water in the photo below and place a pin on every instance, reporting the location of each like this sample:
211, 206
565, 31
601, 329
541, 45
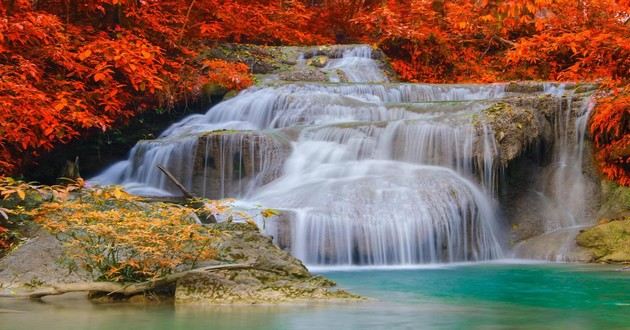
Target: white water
562, 188
375, 174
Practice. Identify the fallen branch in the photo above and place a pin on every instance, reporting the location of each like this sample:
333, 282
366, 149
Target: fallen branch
181, 187
505, 41
128, 289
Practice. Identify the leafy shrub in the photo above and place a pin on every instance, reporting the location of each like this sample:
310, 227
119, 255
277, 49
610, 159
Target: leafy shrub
117, 238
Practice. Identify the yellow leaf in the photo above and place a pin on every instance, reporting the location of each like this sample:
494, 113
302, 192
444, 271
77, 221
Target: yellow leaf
21, 194
267, 213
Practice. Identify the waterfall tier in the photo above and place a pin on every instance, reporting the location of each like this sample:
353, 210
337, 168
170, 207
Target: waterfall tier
367, 172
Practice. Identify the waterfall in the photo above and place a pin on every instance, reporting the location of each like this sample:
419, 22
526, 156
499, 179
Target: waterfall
357, 66
366, 172
562, 188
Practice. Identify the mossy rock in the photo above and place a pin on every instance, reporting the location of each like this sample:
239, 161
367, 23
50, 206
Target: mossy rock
277, 277
318, 61
615, 201
310, 75
609, 242
213, 90
585, 88
229, 95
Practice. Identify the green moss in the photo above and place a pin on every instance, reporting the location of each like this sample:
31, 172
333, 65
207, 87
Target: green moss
213, 90
230, 95
585, 88
497, 109
223, 132
609, 242
615, 201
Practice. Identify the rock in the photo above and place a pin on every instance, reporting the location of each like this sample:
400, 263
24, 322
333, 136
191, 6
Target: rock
615, 201
318, 61
516, 128
586, 88
555, 246
213, 91
608, 242
278, 277
37, 262
524, 87
310, 75
235, 158
230, 95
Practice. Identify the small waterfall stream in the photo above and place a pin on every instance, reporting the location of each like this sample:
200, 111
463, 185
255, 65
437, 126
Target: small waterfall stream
367, 172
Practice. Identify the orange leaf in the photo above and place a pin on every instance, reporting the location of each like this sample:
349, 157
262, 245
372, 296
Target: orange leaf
85, 55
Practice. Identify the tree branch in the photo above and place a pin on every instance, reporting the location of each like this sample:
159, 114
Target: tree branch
180, 186
128, 289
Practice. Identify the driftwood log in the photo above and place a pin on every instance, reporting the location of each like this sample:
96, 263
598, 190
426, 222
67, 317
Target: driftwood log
176, 182
125, 289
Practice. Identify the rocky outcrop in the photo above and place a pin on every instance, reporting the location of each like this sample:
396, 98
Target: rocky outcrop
549, 188
37, 261
608, 242
306, 64
527, 117
274, 276
277, 278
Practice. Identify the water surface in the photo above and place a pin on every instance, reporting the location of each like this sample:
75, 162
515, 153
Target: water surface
478, 296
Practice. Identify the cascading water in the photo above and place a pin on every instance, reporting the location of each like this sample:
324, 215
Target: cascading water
367, 174
562, 189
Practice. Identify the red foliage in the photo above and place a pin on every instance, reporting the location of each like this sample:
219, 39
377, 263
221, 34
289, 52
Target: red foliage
67, 67
482, 41
610, 127
74, 65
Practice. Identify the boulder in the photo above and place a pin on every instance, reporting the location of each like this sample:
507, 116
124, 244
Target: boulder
277, 277
318, 61
608, 242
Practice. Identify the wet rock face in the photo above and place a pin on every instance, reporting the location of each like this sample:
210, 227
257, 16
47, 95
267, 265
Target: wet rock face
306, 74
277, 278
549, 185
555, 246
528, 119
227, 163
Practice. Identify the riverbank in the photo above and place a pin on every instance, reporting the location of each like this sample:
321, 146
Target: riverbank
122, 248
544, 296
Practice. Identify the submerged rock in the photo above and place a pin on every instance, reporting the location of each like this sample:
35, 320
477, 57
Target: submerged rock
277, 277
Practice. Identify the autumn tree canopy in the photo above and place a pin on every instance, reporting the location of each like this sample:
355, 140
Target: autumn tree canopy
68, 67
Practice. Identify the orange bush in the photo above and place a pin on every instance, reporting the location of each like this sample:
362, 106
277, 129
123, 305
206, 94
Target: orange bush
116, 238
